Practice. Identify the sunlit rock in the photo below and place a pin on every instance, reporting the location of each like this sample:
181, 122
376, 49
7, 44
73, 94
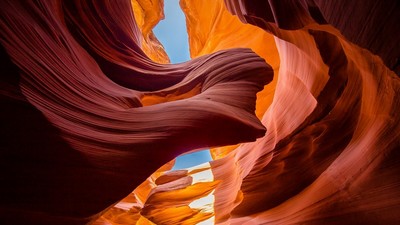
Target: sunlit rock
91, 125
76, 138
147, 15
329, 153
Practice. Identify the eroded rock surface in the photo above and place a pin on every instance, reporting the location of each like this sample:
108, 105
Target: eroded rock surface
76, 137
88, 116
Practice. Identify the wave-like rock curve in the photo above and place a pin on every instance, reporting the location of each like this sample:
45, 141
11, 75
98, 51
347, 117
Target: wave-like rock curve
76, 135
88, 116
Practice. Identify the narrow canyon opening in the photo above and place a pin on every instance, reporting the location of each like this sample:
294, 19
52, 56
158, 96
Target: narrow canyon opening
171, 32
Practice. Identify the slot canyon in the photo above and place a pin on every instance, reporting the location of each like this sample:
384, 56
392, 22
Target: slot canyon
297, 101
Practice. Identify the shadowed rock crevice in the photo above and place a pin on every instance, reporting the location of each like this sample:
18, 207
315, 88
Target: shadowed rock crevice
297, 101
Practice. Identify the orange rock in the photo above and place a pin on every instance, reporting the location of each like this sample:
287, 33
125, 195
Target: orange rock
147, 15
89, 119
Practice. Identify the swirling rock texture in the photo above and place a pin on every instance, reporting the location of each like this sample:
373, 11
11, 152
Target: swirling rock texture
81, 127
88, 115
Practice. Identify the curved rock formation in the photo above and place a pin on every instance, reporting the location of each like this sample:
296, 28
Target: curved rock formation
332, 129
76, 137
318, 163
88, 116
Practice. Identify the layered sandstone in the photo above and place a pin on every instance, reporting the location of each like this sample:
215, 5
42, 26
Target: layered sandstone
89, 116
76, 134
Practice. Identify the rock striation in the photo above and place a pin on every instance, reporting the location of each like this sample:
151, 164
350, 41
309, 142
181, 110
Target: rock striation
297, 99
76, 136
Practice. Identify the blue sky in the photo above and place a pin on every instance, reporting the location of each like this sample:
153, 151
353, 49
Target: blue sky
172, 32
173, 35
192, 159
